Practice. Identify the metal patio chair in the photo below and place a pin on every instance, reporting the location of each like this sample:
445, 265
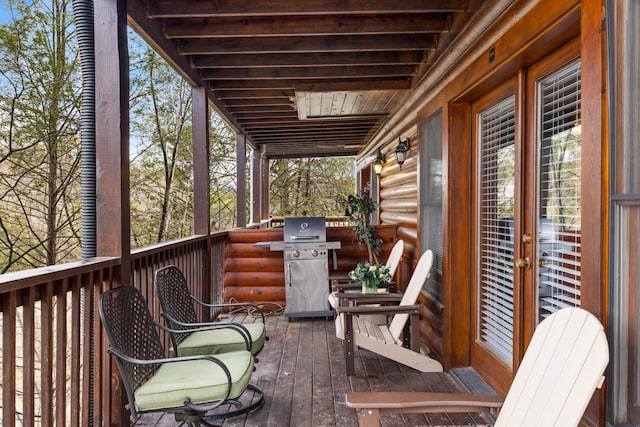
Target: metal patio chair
178, 309
189, 387
561, 369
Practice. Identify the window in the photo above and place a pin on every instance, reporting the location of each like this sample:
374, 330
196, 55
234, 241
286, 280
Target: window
431, 197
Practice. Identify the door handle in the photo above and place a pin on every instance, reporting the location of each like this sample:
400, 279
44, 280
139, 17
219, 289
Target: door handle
523, 262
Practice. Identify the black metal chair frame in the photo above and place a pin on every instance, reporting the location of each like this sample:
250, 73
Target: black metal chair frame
137, 349
178, 307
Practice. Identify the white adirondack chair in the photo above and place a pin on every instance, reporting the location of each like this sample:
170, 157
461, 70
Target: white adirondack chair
561, 369
385, 340
392, 263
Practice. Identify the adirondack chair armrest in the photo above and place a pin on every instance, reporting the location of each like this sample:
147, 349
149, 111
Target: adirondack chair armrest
384, 309
360, 298
371, 404
342, 286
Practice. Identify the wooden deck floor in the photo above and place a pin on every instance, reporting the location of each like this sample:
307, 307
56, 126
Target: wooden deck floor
302, 372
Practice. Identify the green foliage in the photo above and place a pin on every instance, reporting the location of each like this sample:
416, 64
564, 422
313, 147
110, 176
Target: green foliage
361, 206
371, 275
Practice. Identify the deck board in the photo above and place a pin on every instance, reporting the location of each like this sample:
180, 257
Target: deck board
302, 372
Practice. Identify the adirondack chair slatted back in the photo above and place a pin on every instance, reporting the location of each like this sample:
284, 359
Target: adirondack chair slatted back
394, 257
562, 367
410, 296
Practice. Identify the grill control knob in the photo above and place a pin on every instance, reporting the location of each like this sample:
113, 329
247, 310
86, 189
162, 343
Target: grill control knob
314, 253
296, 253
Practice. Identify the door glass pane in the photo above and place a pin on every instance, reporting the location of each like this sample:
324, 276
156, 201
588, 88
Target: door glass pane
559, 237
496, 200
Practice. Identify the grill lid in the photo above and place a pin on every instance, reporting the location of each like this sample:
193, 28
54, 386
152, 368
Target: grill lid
305, 229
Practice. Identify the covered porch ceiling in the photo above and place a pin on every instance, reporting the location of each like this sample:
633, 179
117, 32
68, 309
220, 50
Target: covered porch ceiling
303, 78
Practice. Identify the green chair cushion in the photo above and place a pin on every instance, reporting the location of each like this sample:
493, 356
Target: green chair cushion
201, 381
222, 340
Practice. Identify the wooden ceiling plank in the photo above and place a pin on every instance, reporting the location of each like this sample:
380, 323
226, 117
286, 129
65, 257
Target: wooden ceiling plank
207, 8
389, 23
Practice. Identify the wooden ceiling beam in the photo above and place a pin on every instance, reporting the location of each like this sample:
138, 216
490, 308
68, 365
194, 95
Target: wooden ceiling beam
305, 25
405, 71
268, 101
239, 109
326, 137
363, 129
256, 93
252, 123
308, 59
263, 45
266, 115
310, 126
207, 8
314, 86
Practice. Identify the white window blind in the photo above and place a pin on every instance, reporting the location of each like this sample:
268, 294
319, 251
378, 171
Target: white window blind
559, 233
496, 199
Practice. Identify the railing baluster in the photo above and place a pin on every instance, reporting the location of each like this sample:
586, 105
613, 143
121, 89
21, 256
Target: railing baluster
28, 356
9, 303
46, 355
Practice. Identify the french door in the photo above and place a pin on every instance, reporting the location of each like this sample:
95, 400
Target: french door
527, 213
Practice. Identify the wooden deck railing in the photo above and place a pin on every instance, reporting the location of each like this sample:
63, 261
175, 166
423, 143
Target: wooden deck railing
55, 370
48, 347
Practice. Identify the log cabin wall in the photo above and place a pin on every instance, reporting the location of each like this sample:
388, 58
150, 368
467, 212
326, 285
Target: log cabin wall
255, 273
399, 205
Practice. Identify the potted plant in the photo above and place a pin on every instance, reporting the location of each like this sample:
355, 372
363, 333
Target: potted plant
371, 276
361, 206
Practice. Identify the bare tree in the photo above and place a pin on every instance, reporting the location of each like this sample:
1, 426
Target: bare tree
312, 186
39, 146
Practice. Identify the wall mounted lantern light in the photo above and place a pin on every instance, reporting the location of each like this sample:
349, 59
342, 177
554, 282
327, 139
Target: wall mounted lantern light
401, 151
378, 162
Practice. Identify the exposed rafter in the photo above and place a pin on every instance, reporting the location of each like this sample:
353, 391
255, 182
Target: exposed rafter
303, 79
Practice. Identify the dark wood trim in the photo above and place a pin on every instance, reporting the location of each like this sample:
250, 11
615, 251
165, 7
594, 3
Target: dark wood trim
595, 212
456, 225
496, 372
200, 142
595, 182
241, 182
264, 186
256, 188
201, 184
562, 56
112, 132
548, 25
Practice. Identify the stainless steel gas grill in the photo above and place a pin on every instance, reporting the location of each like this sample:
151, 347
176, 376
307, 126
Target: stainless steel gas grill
306, 269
